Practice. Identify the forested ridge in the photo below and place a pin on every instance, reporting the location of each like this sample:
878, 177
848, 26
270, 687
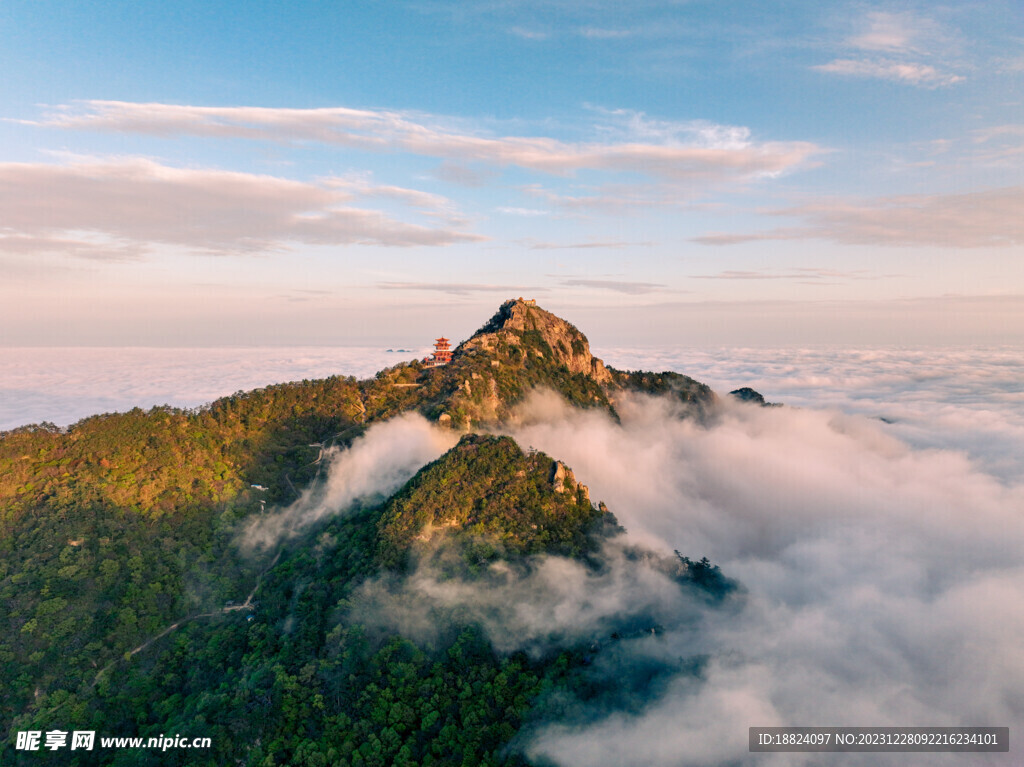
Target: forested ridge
123, 525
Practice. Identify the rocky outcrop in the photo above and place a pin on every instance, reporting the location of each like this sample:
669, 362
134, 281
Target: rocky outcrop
523, 348
565, 344
564, 481
558, 472
746, 394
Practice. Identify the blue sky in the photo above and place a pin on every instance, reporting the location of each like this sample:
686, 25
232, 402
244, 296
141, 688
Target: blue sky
260, 173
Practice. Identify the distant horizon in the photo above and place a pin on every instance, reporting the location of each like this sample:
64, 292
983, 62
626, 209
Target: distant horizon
613, 348
942, 321
962, 398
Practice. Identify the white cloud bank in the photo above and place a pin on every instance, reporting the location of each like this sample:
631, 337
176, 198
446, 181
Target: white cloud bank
885, 584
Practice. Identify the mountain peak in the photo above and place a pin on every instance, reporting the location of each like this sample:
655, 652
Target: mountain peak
521, 348
518, 317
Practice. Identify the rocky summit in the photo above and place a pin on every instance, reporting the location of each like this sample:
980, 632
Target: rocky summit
566, 345
523, 348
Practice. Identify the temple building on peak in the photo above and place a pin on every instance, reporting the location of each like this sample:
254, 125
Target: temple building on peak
442, 353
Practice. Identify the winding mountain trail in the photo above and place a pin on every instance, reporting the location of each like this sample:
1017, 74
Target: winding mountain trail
246, 605
230, 608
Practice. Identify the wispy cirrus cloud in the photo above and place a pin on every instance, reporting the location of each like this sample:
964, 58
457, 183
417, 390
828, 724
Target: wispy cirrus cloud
586, 32
603, 33
117, 208
1010, 64
431, 136
913, 73
529, 34
807, 275
461, 288
527, 212
426, 203
998, 145
629, 287
97, 249
616, 198
590, 245
892, 32
633, 125
463, 175
982, 135
987, 218
898, 46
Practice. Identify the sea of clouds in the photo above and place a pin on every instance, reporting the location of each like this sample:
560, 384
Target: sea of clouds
64, 385
880, 560
881, 583
954, 398
884, 583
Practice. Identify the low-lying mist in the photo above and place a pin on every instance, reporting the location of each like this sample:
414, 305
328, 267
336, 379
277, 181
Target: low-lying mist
885, 585
537, 605
881, 584
376, 465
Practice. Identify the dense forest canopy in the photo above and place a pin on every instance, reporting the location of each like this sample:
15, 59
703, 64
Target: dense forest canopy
128, 607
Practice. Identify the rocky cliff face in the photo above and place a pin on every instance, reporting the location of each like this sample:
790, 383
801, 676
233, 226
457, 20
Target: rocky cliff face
567, 345
563, 481
522, 347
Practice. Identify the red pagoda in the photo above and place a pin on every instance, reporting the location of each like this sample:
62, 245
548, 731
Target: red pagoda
442, 352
